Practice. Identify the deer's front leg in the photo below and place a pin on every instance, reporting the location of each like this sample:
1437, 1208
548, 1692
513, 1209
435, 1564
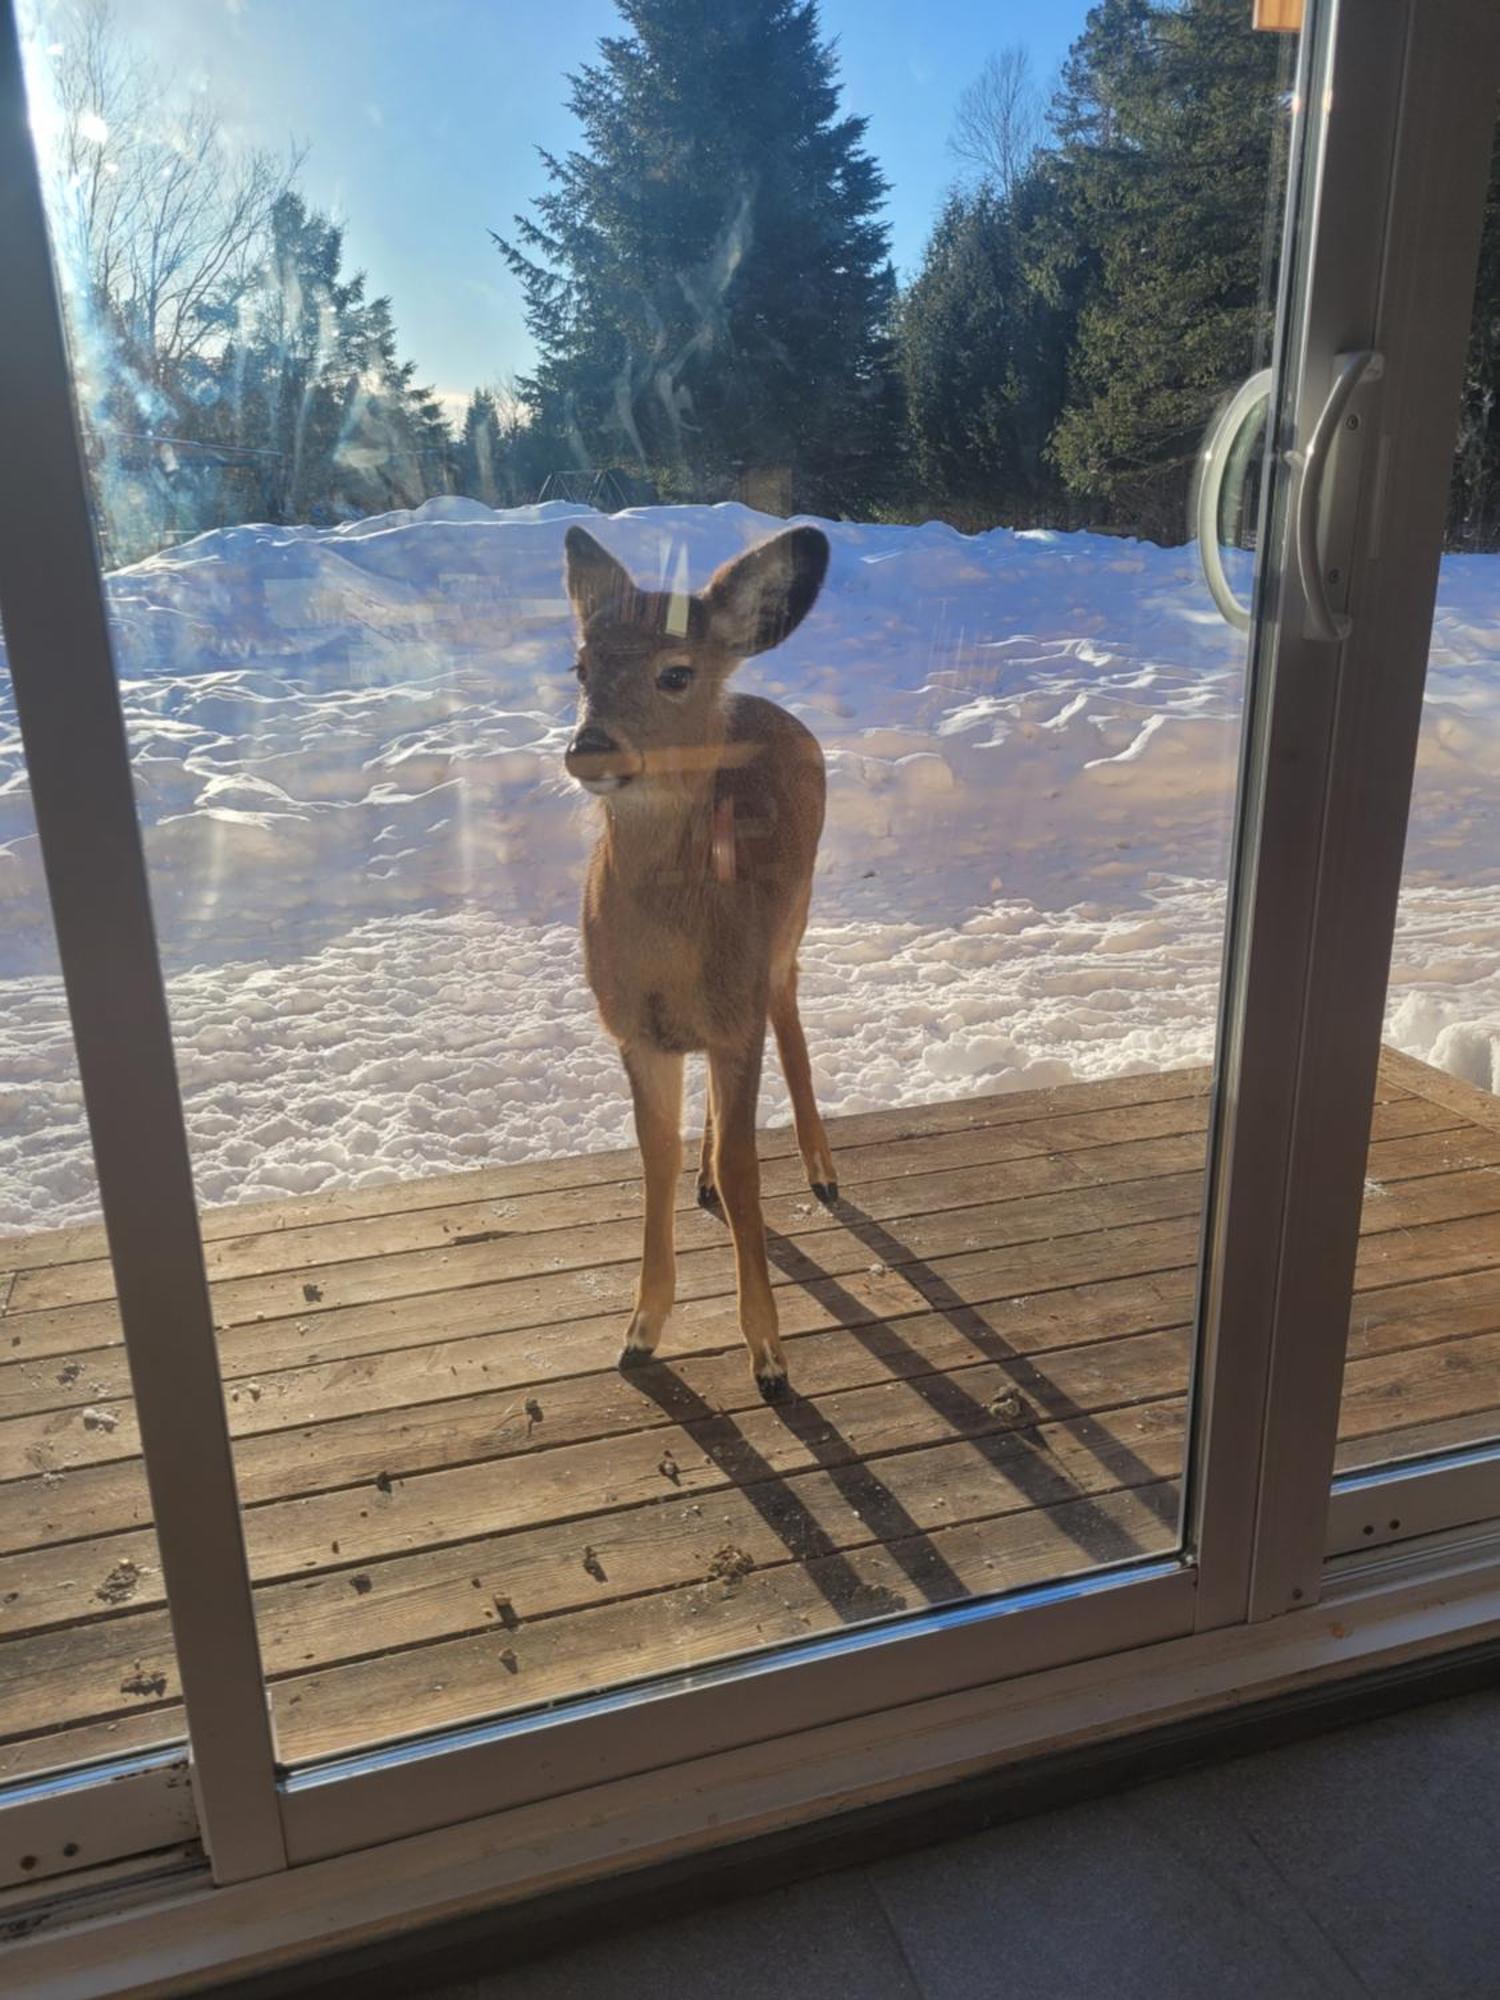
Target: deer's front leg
736, 1087
656, 1087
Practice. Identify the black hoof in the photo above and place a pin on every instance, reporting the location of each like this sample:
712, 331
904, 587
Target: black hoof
708, 1196
827, 1192
773, 1388
636, 1357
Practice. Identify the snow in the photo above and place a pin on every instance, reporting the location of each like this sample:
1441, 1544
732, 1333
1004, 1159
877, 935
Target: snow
365, 857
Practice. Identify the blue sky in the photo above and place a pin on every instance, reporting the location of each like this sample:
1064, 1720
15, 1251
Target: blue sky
422, 118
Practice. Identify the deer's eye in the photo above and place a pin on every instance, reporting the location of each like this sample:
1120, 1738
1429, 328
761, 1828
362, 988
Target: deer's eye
580, 670
672, 680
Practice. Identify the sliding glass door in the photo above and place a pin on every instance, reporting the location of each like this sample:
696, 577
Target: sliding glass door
1045, 1278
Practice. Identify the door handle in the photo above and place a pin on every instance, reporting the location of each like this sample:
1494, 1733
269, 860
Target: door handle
1350, 370
1252, 392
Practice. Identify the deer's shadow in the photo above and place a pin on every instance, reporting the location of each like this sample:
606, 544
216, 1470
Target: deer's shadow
1021, 1453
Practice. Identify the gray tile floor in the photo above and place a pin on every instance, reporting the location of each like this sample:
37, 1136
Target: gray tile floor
1363, 1863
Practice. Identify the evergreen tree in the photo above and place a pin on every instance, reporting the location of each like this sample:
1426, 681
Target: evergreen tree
983, 349
1165, 127
393, 448
707, 278
497, 458
479, 457
317, 415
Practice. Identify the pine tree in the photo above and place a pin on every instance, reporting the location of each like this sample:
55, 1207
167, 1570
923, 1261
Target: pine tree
393, 448
707, 277
278, 411
497, 458
318, 416
479, 456
983, 349
1165, 126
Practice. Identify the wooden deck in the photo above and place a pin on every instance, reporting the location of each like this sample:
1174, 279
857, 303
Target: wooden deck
456, 1505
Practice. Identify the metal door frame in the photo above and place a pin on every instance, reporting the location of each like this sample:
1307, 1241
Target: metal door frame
1329, 735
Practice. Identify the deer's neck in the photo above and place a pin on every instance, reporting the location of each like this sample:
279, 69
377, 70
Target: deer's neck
662, 847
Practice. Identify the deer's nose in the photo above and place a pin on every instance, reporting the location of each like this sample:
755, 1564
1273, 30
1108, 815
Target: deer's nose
597, 761
592, 741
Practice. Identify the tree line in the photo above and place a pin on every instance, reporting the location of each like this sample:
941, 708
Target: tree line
708, 284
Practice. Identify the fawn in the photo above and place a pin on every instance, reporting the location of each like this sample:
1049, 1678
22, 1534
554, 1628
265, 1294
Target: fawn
698, 887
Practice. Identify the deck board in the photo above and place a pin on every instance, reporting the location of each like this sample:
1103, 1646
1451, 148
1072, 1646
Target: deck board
455, 1503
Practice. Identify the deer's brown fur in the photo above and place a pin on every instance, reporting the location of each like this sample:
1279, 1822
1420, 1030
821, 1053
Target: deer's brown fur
698, 886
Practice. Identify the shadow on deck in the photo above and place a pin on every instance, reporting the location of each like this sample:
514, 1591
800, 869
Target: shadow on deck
456, 1505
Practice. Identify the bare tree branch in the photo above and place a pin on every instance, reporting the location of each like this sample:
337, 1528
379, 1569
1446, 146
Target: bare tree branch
999, 121
169, 222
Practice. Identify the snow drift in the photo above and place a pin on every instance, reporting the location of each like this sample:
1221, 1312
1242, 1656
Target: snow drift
365, 857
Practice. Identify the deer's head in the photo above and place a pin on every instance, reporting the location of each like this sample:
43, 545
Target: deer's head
652, 664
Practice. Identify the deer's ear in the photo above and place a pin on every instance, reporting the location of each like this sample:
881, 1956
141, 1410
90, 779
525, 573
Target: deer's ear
595, 580
761, 597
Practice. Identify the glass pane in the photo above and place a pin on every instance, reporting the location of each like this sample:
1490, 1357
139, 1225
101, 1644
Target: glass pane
1423, 1373
87, 1664
964, 310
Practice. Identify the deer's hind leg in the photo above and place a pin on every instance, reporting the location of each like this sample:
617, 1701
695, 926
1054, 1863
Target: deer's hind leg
708, 1190
736, 1088
656, 1088
812, 1140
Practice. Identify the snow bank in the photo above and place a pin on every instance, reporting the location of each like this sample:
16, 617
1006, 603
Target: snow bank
365, 858
332, 726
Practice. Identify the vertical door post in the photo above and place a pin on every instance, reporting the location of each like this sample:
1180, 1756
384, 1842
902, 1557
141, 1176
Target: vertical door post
1397, 103
56, 626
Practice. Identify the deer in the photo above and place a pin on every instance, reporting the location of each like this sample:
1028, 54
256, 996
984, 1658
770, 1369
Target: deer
697, 890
